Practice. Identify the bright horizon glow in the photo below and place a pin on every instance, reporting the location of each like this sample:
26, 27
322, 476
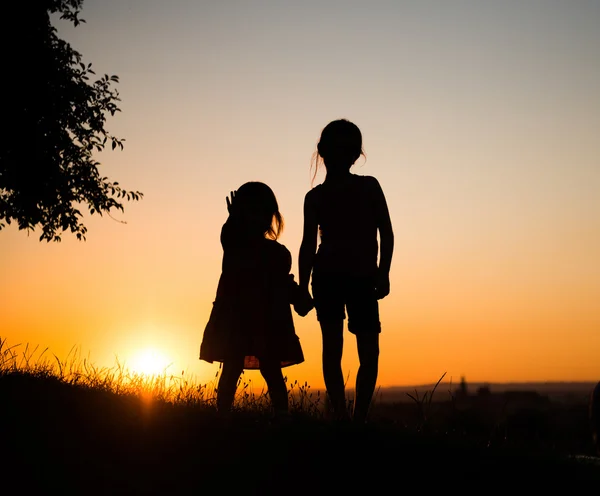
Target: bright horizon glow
149, 362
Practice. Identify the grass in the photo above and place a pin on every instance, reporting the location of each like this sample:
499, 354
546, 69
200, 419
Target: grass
77, 371
70, 426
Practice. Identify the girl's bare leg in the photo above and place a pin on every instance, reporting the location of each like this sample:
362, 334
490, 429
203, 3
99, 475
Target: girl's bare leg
230, 373
333, 346
271, 371
366, 378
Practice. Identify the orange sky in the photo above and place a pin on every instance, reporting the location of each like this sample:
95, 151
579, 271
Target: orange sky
480, 122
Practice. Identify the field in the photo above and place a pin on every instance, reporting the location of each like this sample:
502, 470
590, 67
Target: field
72, 428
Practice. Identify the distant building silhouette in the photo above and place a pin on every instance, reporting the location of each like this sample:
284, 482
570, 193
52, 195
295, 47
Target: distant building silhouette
484, 390
463, 391
511, 400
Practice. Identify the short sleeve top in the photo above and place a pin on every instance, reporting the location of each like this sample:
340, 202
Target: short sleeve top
347, 218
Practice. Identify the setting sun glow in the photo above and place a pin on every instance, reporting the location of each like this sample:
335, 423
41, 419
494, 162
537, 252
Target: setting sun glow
149, 362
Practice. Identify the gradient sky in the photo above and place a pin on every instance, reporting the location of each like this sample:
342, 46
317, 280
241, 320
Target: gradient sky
480, 119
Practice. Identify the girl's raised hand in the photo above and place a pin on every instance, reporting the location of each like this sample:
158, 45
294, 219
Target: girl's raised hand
229, 199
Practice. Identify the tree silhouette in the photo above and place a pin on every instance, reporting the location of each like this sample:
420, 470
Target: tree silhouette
54, 119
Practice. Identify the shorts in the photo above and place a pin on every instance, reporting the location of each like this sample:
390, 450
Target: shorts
336, 294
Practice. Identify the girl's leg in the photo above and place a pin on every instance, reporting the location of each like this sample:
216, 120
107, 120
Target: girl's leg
333, 345
230, 373
366, 378
271, 371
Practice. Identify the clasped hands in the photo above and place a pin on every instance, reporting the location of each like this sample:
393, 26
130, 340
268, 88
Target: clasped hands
303, 302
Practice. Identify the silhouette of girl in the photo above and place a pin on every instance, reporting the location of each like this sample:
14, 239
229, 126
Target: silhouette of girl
251, 324
347, 211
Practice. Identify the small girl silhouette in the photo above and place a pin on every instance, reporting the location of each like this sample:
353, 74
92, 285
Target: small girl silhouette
251, 324
347, 212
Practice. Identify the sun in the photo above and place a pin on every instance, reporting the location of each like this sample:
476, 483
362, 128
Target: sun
149, 361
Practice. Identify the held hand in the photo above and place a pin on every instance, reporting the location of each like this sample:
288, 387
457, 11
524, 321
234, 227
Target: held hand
382, 285
229, 199
304, 303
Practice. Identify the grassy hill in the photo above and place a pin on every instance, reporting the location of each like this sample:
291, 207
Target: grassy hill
77, 430
83, 440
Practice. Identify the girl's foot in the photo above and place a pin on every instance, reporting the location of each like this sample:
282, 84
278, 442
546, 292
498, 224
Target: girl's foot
342, 417
281, 418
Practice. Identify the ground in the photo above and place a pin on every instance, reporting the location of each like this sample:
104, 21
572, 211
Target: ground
85, 441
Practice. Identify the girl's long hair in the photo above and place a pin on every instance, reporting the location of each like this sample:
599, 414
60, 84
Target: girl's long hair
340, 145
258, 199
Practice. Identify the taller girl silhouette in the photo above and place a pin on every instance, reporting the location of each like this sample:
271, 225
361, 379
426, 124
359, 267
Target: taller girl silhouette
350, 271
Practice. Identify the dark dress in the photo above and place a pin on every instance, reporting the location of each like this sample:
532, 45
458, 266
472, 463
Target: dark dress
251, 315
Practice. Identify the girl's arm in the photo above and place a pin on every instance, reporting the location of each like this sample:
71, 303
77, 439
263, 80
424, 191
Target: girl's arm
231, 227
301, 300
227, 234
386, 236
308, 247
